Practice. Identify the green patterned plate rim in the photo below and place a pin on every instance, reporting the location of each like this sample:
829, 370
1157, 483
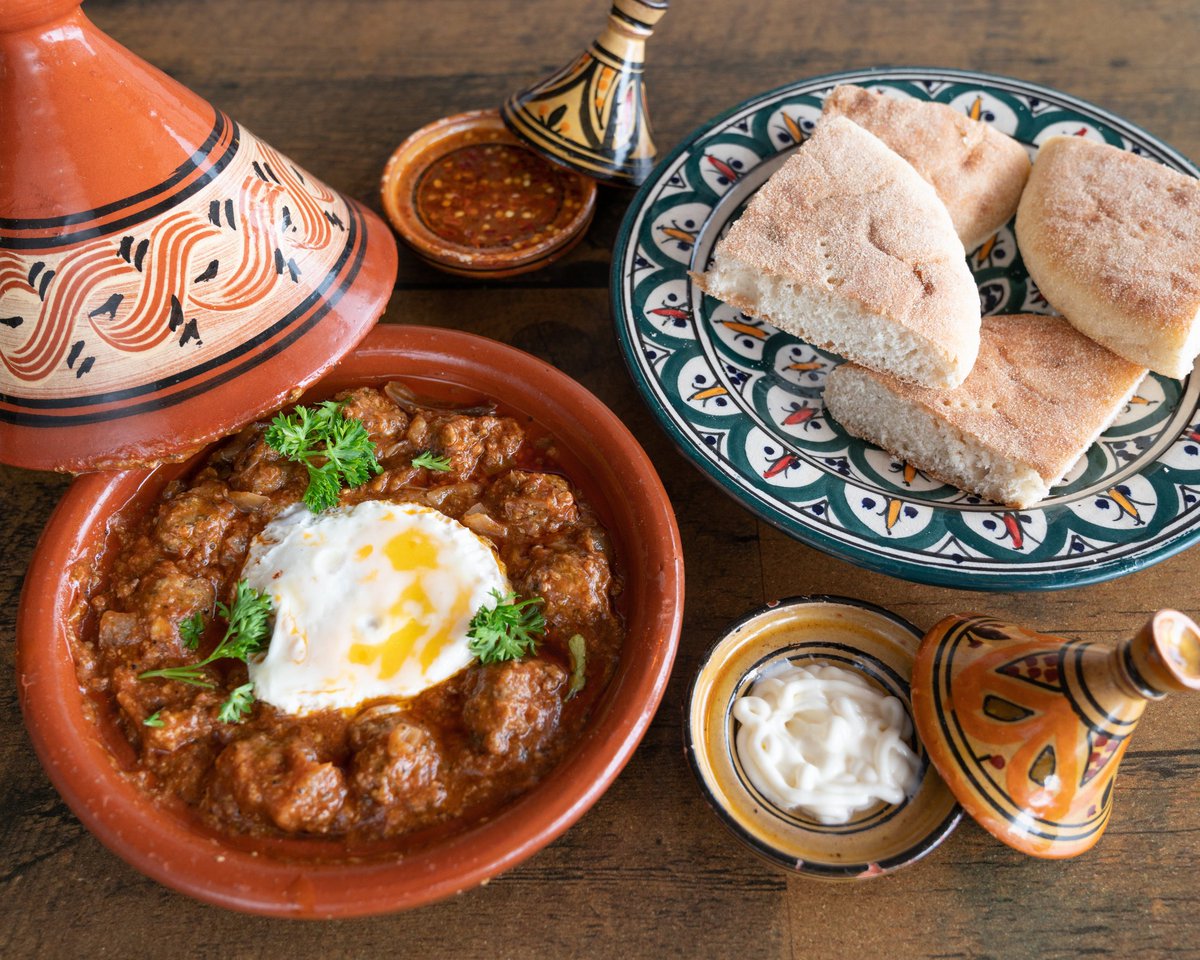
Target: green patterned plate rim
742, 400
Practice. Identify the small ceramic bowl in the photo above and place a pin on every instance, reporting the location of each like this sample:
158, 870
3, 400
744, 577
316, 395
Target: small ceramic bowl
444, 195
802, 630
83, 752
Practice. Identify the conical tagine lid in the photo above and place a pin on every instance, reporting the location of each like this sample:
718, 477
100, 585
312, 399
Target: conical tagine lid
1028, 729
165, 276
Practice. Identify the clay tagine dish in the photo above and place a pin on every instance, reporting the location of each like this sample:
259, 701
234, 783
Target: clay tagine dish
90, 758
472, 199
813, 633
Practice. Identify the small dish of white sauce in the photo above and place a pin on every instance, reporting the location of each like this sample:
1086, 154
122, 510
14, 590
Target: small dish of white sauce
799, 730
822, 740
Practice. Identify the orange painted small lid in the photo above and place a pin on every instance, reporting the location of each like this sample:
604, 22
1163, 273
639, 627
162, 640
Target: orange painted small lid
474, 200
1028, 729
165, 276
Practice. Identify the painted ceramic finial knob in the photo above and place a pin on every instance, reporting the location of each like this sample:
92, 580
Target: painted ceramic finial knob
591, 115
165, 276
1028, 729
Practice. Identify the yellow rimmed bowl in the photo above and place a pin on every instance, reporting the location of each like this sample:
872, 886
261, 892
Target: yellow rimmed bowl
803, 631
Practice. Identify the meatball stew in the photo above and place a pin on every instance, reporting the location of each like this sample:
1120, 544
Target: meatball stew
390, 767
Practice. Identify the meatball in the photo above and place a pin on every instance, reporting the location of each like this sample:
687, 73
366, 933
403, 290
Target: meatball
167, 597
512, 708
277, 780
119, 630
488, 444
259, 468
193, 524
574, 585
382, 418
533, 504
178, 727
396, 764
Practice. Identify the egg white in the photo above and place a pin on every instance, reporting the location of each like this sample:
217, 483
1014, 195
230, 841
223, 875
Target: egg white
371, 600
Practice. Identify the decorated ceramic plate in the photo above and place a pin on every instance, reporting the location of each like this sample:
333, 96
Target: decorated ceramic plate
743, 399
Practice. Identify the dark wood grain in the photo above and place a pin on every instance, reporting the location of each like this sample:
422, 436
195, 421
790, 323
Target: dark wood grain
649, 871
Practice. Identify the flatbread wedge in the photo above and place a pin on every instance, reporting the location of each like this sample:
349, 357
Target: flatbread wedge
1039, 396
977, 171
848, 248
1112, 241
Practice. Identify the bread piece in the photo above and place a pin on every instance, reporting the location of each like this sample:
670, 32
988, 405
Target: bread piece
847, 248
1113, 242
977, 171
1039, 396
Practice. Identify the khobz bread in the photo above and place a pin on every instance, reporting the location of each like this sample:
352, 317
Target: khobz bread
1112, 241
976, 170
848, 248
1039, 396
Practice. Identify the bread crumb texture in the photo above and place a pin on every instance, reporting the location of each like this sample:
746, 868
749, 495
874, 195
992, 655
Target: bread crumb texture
1040, 394
977, 171
848, 248
1113, 242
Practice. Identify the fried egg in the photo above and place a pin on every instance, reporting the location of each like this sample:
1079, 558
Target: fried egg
371, 600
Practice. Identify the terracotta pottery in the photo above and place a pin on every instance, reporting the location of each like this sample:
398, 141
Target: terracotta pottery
1029, 729
591, 115
321, 878
165, 276
532, 221
802, 631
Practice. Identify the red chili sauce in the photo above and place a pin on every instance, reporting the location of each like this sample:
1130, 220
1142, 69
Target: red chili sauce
486, 195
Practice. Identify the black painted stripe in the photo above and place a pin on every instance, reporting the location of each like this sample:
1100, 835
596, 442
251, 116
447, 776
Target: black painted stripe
1087, 693
640, 25
1135, 675
314, 299
115, 226
71, 219
618, 62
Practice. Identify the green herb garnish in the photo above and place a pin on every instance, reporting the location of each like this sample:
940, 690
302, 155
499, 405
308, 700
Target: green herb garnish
578, 650
154, 720
505, 631
334, 448
238, 705
245, 635
430, 462
191, 631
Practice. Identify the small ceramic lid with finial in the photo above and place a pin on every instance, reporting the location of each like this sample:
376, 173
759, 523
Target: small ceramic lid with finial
1028, 729
165, 276
591, 115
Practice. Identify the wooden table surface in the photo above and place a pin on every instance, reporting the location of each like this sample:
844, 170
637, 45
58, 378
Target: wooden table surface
649, 871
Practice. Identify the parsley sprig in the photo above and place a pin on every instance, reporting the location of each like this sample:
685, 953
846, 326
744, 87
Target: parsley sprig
245, 635
506, 631
238, 705
431, 462
335, 449
191, 631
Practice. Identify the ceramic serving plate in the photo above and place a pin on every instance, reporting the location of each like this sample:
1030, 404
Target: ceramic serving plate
325, 878
743, 400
